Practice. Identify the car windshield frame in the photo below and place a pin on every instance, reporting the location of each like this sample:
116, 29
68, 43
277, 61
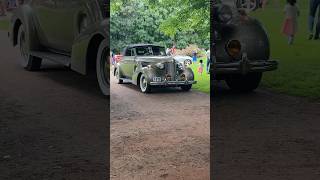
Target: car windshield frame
104, 8
150, 51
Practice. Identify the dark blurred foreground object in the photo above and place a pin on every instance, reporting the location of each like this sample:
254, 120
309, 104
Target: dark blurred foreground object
242, 48
81, 44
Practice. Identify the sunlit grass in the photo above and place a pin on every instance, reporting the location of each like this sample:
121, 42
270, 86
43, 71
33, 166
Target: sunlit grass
4, 25
299, 70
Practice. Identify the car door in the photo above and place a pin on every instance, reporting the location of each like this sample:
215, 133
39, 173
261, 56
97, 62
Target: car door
45, 11
67, 16
128, 62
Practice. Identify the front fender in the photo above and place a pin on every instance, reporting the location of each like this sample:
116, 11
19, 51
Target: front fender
85, 43
189, 74
138, 72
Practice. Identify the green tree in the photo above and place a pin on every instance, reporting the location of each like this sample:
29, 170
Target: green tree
159, 21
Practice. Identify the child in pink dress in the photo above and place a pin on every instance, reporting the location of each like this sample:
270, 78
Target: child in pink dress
200, 68
290, 24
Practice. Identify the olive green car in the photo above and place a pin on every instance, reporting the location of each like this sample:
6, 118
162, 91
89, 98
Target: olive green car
73, 33
148, 65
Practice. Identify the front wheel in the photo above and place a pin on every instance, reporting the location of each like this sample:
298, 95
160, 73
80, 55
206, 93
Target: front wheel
103, 68
244, 83
186, 87
29, 62
144, 85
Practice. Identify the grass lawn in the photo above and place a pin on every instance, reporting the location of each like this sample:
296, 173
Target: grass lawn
203, 83
299, 71
4, 24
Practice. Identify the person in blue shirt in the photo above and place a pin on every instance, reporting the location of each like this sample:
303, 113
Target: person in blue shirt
194, 56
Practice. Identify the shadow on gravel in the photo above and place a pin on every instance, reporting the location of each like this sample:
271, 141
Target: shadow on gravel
63, 75
219, 90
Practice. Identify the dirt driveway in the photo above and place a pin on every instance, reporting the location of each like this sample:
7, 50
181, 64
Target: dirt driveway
162, 135
265, 136
53, 122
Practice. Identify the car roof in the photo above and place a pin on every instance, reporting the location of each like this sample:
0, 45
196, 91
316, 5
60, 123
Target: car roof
137, 45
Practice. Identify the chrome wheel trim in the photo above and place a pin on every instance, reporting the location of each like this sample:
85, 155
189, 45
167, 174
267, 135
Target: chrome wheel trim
143, 83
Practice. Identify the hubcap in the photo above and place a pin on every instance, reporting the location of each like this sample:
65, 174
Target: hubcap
143, 83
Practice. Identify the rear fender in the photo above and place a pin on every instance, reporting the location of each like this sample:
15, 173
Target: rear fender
25, 16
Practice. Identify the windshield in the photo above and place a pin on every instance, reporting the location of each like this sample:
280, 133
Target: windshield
104, 7
150, 51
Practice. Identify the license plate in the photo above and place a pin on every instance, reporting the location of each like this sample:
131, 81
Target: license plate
156, 79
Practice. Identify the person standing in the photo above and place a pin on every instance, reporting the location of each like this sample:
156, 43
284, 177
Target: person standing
208, 61
2, 8
194, 56
200, 68
173, 50
314, 5
317, 34
290, 25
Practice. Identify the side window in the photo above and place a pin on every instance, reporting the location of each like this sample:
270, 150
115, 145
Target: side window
128, 52
132, 52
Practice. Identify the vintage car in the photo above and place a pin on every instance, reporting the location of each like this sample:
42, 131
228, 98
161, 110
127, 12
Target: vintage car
72, 33
241, 48
147, 66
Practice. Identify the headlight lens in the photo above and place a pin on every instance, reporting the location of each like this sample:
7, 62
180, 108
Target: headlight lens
180, 66
160, 65
234, 48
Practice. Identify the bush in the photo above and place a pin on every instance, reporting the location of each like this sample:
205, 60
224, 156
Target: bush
188, 51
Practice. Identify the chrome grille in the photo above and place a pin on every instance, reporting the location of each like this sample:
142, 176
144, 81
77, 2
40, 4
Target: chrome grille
170, 69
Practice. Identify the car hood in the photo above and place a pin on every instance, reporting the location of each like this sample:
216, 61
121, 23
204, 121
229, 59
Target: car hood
154, 59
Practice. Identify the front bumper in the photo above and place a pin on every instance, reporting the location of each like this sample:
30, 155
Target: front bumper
172, 83
245, 66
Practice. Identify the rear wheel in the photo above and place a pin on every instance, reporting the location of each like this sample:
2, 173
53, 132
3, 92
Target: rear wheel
144, 86
244, 83
29, 62
103, 68
118, 76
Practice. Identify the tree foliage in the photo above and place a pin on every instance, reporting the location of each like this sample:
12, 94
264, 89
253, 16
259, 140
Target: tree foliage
159, 21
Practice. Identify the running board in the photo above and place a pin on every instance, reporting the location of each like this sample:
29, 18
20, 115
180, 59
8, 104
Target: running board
126, 80
57, 58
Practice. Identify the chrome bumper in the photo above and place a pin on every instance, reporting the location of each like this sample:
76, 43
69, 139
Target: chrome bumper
245, 66
172, 83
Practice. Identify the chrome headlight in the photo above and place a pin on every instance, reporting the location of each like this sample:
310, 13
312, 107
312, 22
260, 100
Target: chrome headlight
233, 48
180, 66
160, 65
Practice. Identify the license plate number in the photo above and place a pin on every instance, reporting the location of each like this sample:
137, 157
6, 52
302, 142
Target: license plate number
156, 79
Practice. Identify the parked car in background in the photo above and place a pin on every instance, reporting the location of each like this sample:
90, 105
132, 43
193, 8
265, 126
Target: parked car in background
242, 48
82, 43
186, 60
148, 65
249, 5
